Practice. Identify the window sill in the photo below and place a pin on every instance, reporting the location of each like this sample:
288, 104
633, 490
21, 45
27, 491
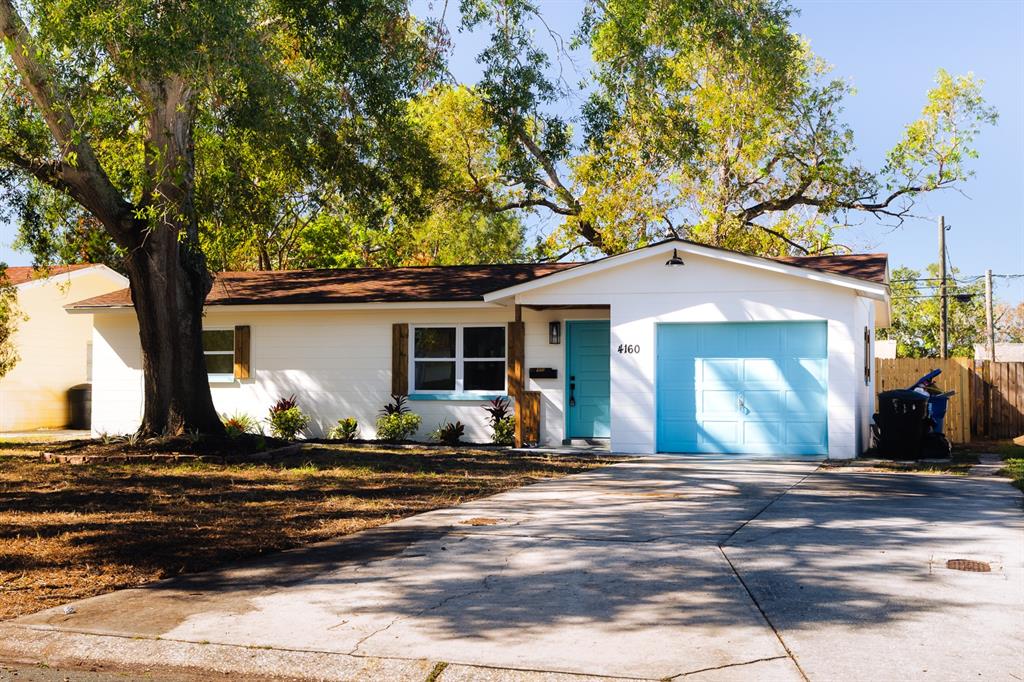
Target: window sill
477, 397
222, 379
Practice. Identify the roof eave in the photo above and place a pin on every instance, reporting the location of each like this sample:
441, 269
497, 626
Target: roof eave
870, 289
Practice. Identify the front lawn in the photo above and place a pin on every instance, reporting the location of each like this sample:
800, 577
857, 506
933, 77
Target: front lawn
74, 531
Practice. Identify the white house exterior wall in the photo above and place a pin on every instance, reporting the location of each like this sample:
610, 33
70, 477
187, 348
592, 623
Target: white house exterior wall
645, 293
337, 363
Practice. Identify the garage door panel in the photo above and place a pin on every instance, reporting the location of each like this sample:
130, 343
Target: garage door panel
719, 433
800, 403
762, 433
761, 371
742, 388
718, 341
719, 402
716, 371
806, 373
682, 340
761, 341
807, 341
765, 402
804, 433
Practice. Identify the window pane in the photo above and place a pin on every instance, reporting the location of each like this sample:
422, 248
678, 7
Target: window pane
219, 339
220, 364
435, 376
484, 376
434, 342
483, 342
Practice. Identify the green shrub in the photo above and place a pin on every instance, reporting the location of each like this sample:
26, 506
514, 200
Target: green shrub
396, 426
238, 424
503, 425
449, 433
345, 430
286, 419
505, 431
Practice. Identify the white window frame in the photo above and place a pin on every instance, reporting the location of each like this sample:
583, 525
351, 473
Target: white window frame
458, 359
221, 378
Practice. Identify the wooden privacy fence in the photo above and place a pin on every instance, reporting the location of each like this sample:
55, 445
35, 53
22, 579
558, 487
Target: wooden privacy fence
997, 396
902, 372
989, 400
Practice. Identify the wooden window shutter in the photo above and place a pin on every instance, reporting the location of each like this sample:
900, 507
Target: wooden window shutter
242, 352
399, 359
516, 358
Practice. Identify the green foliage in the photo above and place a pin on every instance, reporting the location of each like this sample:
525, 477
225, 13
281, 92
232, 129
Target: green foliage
10, 316
286, 419
397, 426
296, 109
504, 431
916, 310
396, 406
710, 121
238, 424
345, 430
503, 425
449, 433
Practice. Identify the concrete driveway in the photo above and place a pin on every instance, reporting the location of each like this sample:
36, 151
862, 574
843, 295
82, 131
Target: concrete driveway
651, 569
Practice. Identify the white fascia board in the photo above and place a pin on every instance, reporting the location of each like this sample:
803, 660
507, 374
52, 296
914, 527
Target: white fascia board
98, 269
868, 289
310, 307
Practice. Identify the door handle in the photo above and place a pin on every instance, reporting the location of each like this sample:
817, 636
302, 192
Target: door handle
572, 391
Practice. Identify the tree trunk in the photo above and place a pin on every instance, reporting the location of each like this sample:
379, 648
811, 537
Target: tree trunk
168, 292
168, 275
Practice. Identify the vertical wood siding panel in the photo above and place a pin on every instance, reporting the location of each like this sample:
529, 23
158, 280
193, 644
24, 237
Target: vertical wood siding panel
400, 359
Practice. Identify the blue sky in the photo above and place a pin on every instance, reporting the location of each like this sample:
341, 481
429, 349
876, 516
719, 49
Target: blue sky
890, 51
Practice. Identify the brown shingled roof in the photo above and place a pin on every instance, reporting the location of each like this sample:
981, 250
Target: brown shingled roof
19, 274
431, 283
871, 267
357, 285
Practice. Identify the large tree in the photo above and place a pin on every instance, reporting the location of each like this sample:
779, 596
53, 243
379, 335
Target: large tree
709, 120
101, 102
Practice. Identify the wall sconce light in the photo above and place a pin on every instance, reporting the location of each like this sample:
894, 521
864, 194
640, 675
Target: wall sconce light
675, 261
554, 333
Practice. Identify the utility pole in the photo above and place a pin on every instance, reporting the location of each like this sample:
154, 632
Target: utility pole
943, 297
990, 328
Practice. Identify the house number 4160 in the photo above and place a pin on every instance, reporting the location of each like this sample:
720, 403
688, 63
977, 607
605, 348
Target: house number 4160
629, 348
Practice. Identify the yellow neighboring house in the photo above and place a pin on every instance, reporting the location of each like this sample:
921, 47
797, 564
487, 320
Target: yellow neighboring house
55, 347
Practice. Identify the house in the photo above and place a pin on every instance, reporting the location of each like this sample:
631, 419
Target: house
885, 349
675, 347
1006, 351
55, 348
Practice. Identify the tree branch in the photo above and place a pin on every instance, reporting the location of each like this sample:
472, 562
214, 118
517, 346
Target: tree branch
80, 169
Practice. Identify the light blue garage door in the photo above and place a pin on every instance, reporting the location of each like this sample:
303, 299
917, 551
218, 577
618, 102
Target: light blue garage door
750, 387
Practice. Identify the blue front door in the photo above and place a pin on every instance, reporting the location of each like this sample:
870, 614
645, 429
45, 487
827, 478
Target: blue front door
743, 388
588, 380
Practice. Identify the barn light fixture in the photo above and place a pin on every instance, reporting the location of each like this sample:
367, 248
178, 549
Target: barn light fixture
675, 261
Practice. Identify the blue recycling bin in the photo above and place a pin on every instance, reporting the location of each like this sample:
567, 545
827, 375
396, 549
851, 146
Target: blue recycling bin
937, 410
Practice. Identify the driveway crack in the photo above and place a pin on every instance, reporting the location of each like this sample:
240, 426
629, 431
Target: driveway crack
743, 583
727, 665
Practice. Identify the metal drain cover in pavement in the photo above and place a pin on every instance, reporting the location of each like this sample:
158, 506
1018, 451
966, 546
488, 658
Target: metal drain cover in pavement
968, 565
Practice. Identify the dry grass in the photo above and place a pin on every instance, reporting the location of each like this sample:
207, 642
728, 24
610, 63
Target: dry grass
74, 531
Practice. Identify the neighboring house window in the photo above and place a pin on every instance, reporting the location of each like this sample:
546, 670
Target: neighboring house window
219, 349
458, 359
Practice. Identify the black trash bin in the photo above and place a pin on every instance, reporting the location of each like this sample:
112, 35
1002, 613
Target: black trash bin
902, 423
80, 406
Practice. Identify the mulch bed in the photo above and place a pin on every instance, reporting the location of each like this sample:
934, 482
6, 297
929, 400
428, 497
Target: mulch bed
69, 532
